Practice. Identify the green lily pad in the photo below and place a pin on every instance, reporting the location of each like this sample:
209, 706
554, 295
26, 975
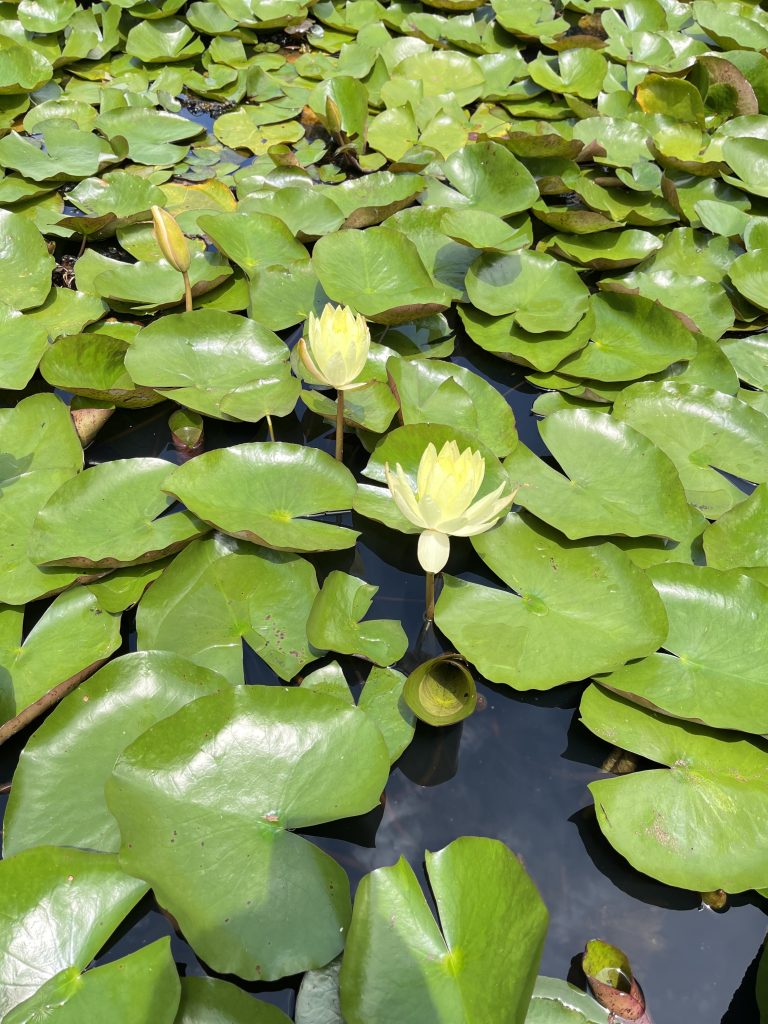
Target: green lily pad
334, 622
447, 74
738, 539
382, 698
543, 350
26, 262
163, 40
141, 986
606, 250
82, 738
374, 198
122, 588
307, 212
123, 504
245, 128
699, 429
261, 492
485, 176
749, 275
370, 407
379, 273
543, 293
632, 337
71, 639
749, 356
69, 153
216, 845
86, 896
477, 965
441, 691
218, 593
253, 240
211, 1001
93, 365
432, 391
578, 71
617, 481
653, 818
216, 363
151, 136
317, 1001
558, 1002
41, 451
579, 607
712, 672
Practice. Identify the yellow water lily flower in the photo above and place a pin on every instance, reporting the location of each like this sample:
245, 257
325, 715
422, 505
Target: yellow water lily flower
442, 504
173, 244
338, 346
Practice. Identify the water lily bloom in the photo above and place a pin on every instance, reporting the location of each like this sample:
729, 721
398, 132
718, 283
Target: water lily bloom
338, 347
173, 244
443, 503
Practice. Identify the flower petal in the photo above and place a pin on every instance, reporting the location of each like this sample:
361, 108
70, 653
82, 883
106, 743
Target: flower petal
434, 548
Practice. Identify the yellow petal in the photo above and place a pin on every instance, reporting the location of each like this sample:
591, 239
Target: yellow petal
434, 548
426, 465
171, 239
404, 498
306, 358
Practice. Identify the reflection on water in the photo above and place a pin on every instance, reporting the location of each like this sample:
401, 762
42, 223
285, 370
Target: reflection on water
517, 770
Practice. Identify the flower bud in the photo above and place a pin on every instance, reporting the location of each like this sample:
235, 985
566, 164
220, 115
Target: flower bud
171, 239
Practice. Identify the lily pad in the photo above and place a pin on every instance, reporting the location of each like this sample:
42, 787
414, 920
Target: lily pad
212, 1001
477, 965
738, 539
557, 1002
123, 504
543, 293
87, 896
699, 429
617, 481
334, 622
27, 264
266, 493
219, 593
93, 365
653, 818
485, 176
216, 845
579, 607
441, 691
216, 363
41, 451
379, 273
543, 350
65, 805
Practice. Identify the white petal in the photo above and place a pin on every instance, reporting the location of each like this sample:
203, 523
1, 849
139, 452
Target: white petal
434, 548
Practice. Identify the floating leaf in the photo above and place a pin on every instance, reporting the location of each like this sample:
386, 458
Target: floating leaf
579, 607
250, 897
441, 691
609, 974
382, 698
266, 492
93, 365
558, 1002
399, 965
211, 1001
334, 622
27, 264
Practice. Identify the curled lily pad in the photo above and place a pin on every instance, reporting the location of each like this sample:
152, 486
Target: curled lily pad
91, 727
334, 622
123, 504
93, 365
252, 898
610, 977
87, 896
187, 432
267, 492
441, 691
218, 593
543, 350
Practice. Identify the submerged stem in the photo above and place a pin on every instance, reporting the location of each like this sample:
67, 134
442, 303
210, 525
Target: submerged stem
339, 426
187, 292
270, 428
430, 610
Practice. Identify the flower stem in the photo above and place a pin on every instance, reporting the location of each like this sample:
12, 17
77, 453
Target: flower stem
187, 292
430, 612
339, 426
270, 428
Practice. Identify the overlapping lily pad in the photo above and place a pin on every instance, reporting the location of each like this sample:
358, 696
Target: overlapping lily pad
252, 898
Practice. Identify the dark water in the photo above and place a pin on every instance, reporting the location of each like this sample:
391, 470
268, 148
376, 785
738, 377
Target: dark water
516, 771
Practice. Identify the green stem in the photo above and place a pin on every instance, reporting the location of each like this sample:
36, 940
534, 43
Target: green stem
187, 292
339, 426
430, 611
270, 428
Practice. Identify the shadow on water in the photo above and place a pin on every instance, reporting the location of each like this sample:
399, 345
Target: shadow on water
517, 770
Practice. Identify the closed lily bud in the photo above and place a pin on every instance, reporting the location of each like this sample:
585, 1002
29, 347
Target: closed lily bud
337, 347
171, 239
442, 504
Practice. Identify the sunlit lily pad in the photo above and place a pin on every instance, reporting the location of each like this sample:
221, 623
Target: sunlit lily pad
579, 607
217, 594
216, 363
739, 539
485, 176
87, 896
267, 492
212, 1001
654, 818
558, 1002
27, 264
123, 504
93, 365
712, 671
699, 429
334, 622
400, 965
617, 481
543, 350
250, 897
91, 727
